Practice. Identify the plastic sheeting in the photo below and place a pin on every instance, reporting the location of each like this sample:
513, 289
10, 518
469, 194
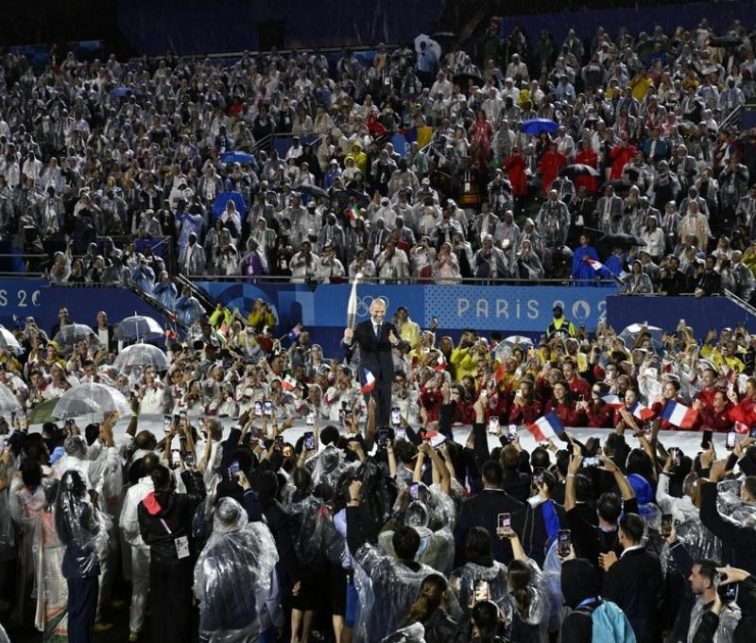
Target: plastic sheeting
232, 577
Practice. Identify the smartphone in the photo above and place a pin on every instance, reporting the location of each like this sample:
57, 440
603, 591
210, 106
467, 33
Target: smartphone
730, 442
233, 468
384, 437
258, 409
175, 457
752, 432
400, 433
706, 440
676, 456
666, 525
592, 462
504, 523
728, 593
564, 540
482, 591
310, 419
278, 442
493, 425
189, 460
413, 490
268, 408
309, 440
396, 416
167, 422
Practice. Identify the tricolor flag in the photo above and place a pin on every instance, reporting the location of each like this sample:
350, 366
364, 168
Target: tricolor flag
368, 381
612, 400
355, 212
439, 365
641, 412
679, 415
595, 264
289, 383
546, 427
294, 332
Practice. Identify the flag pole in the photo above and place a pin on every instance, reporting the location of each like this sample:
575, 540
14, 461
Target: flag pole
352, 303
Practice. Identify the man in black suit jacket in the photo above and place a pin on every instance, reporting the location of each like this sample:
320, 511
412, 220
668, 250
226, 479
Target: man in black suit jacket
483, 509
376, 338
634, 582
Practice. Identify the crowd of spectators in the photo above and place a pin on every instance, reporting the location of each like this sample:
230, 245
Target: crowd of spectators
646, 144
267, 471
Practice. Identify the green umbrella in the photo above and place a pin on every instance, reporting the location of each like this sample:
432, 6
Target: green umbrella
43, 412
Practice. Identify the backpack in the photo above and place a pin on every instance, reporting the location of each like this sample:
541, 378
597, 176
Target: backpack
609, 623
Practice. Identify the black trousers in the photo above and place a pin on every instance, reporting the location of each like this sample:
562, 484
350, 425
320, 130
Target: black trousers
82, 609
171, 601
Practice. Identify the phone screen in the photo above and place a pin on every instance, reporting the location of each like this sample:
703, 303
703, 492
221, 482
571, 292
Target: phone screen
728, 593
564, 539
258, 409
279, 441
400, 433
676, 456
666, 525
167, 425
482, 591
396, 416
310, 419
189, 459
493, 425
591, 462
309, 440
413, 490
384, 437
753, 432
175, 457
233, 468
706, 440
268, 407
504, 522
731, 436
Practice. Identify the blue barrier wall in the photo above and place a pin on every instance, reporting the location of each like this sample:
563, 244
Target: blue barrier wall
702, 314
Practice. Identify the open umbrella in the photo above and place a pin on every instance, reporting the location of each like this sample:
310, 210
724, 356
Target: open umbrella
8, 401
140, 356
430, 44
91, 399
519, 339
120, 92
9, 342
43, 412
636, 329
139, 327
245, 158
312, 190
536, 126
578, 169
70, 334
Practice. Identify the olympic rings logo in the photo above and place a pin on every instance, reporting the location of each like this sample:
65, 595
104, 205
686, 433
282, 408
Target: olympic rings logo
364, 303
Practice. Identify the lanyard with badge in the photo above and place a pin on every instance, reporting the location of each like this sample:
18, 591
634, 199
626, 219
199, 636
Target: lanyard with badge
181, 543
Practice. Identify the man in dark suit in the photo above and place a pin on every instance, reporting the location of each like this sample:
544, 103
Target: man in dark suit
376, 338
634, 582
483, 509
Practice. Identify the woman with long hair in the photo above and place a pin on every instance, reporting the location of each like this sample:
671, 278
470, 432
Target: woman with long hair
479, 571
429, 610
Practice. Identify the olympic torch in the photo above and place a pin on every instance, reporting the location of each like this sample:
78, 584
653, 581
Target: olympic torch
352, 303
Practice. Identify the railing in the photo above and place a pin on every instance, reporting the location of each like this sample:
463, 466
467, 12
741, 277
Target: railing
740, 302
731, 118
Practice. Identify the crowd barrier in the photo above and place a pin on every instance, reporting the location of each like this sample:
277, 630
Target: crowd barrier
524, 310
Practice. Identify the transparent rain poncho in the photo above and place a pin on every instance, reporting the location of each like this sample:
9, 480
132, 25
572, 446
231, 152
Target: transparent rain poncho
386, 589
465, 579
436, 547
316, 538
328, 466
79, 527
732, 508
414, 633
235, 576
538, 613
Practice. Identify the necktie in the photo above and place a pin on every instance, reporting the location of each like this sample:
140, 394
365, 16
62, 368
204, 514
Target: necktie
377, 329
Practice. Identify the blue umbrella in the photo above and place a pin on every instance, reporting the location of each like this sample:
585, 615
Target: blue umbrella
237, 157
120, 92
537, 125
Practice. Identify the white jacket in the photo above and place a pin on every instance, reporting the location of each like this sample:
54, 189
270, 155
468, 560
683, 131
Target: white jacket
129, 521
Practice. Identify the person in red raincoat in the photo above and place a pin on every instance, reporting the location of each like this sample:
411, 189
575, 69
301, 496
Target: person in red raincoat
620, 156
480, 148
515, 166
550, 164
588, 157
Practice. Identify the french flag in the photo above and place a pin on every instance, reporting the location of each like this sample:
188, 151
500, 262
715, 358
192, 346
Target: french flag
679, 415
368, 381
440, 364
288, 383
546, 427
612, 400
641, 412
595, 264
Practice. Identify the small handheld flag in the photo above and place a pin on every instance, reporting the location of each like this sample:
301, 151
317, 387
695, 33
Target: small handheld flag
679, 415
368, 381
546, 427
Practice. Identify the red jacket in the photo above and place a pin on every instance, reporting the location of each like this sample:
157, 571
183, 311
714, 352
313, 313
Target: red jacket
600, 415
515, 167
578, 386
551, 163
717, 421
526, 414
568, 414
587, 157
620, 157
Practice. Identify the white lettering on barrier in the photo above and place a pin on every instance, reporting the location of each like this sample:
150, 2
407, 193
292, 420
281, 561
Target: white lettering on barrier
24, 298
463, 305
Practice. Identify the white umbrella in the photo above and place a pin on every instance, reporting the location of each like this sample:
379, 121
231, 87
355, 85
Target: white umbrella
70, 334
139, 327
430, 44
8, 401
8, 341
519, 339
141, 356
91, 399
